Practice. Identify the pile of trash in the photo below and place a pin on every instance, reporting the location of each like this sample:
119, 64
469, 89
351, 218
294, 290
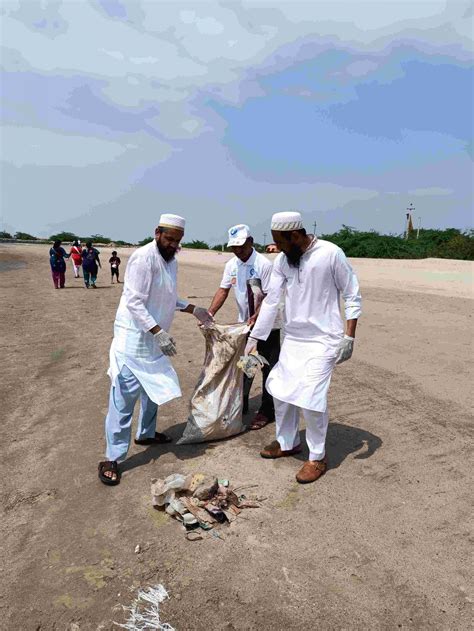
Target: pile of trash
200, 502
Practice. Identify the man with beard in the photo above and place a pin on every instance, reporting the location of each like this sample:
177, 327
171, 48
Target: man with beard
313, 274
139, 364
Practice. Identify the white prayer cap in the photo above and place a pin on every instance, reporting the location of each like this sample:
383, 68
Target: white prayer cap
285, 222
167, 220
238, 235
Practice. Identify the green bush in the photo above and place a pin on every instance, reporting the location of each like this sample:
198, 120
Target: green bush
450, 243
5, 235
64, 236
120, 242
145, 241
196, 245
99, 238
24, 236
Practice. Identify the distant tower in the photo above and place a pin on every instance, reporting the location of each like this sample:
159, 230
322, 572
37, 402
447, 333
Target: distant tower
409, 221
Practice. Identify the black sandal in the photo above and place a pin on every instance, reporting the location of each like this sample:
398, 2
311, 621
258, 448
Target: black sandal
109, 466
158, 439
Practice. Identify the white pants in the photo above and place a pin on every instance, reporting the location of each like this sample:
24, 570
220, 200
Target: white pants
287, 420
118, 423
76, 269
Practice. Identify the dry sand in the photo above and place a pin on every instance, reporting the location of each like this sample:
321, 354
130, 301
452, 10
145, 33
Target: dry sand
381, 542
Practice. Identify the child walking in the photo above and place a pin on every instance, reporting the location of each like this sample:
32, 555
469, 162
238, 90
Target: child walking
114, 266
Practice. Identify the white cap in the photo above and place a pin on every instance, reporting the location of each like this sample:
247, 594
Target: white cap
168, 220
285, 222
238, 235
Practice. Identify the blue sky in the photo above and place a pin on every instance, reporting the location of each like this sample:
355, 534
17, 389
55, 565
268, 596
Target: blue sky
115, 111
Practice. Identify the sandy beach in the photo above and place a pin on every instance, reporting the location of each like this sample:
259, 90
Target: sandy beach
383, 541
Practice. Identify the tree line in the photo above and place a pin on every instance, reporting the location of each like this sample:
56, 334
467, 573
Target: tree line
450, 243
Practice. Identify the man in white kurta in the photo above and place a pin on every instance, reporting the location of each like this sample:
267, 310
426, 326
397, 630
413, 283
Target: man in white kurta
313, 274
139, 355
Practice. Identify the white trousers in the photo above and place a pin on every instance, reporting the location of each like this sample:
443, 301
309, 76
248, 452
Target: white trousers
287, 420
76, 269
118, 423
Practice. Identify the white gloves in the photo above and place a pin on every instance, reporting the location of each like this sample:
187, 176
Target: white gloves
203, 316
344, 350
251, 346
165, 342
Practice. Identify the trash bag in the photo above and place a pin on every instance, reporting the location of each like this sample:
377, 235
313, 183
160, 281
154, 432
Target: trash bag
216, 404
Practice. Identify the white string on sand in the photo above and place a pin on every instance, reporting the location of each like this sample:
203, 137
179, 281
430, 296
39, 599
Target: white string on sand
143, 618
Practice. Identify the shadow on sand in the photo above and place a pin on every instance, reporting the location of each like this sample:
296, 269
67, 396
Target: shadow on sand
342, 441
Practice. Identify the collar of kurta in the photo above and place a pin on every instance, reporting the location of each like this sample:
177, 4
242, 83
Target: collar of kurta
250, 260
312, 245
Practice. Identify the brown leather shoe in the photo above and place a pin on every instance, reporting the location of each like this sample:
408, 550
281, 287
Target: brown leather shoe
273, 450
311, 471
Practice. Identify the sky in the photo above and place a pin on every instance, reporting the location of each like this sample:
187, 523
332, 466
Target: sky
114, 111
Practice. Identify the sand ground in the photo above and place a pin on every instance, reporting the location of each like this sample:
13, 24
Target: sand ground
383, 541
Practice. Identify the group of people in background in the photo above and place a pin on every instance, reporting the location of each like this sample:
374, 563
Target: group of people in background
86, 257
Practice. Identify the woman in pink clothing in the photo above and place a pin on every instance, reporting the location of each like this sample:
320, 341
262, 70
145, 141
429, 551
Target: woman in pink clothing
76, 256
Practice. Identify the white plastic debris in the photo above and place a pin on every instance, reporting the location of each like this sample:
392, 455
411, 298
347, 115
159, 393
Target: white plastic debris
144, 614
138, 549
249, 364
163, 491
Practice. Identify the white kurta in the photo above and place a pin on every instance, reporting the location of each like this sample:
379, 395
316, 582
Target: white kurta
149, 298
313, 327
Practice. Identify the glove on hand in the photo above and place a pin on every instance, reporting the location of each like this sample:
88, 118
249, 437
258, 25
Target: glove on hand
166, 343
344, 350
251, 346
203, 316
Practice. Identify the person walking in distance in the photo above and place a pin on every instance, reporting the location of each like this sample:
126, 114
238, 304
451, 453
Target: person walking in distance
90, 264
76, 256
57, 254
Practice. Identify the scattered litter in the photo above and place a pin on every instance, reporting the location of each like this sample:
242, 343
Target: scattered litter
250, 364
144, 614
217, 401
138, 549
200, 502
193, 535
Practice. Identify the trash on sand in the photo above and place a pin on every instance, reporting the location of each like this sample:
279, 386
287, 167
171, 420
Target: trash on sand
193, 535
138, 549
144, 614
249, 364
199, 502
217, 401
164, 491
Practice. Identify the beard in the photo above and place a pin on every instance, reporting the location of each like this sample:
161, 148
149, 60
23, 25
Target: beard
294, 256
167, 253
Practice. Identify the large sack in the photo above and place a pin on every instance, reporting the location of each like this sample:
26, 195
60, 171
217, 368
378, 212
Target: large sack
216, 405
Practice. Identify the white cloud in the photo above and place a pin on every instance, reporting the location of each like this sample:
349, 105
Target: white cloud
27, 145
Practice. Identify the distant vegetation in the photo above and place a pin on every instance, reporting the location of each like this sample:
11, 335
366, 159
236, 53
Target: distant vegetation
446, 244
196, 245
